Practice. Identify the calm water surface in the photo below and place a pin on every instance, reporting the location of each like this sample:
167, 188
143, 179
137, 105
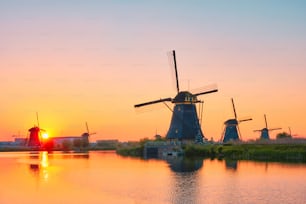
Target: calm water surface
104, 177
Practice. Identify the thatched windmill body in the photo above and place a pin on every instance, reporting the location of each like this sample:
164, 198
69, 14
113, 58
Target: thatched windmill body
185, 122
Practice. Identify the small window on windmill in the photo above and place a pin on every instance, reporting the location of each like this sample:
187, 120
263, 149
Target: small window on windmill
176, 131
179, 109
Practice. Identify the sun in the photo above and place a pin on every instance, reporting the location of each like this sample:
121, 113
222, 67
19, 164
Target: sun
45, 136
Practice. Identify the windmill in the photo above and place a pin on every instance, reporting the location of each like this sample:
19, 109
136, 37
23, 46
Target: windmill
265, 131
231, 129
290, 134
185, 122
86, 135
35, 135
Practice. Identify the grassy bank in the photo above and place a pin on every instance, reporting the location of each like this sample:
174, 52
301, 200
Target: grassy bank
241, 151
260, 152
134, 150
257, 152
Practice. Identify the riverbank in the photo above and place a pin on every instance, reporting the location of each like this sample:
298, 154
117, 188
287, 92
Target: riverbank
25, 148
263, 151
236, 151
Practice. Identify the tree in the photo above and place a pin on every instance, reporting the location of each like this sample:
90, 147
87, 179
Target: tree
283, 135
159, 138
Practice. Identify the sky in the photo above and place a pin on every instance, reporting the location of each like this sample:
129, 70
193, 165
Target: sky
90, 61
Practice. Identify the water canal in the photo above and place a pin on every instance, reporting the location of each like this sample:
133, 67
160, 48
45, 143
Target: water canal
105, 177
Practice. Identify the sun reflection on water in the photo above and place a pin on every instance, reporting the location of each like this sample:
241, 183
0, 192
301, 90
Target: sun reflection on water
44, 162
39, 164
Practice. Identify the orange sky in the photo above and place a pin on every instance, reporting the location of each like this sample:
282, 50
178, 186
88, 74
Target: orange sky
93, 61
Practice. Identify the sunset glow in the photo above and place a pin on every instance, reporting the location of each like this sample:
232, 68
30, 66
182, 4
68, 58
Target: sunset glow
93, 60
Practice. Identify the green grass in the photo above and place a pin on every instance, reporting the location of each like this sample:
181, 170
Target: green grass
134, 151
257, 152
265, 152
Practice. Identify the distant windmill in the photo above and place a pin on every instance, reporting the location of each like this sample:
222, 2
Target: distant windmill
185, 122
265, 131
290, 133
86, 135
35, 135
231, 129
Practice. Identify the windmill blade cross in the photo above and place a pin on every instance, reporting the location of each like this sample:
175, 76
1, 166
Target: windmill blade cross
206, 92
266, 121
87, 127
37, 119
257, 130
176, 74
248, 119
205, 89
152, 102
274, 129
239, 133
234, 109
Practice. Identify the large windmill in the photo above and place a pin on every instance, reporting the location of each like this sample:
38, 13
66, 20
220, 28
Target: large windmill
185, 122
231, 129
265, 131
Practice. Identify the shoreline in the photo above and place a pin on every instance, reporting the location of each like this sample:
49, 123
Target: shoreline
235, 151
261, 151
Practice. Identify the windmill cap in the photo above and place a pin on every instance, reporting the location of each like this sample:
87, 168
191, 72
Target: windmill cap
184, 96
231, 122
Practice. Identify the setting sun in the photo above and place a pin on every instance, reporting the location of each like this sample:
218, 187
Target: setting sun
45, 136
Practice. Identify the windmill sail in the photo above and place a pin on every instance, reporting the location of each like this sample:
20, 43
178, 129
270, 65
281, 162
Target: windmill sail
176, 74
206, 92
185, 122
231, 129
152, 102
264, 133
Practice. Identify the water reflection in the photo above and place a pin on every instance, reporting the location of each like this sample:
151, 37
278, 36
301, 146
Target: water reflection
109, 178
73, 155
34, 155
39, 164
185, 183
231, 164
34, 168
183, 164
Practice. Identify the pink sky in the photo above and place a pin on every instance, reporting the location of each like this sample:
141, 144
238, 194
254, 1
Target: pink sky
92, 62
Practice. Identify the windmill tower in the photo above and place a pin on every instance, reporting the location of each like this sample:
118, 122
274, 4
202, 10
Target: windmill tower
231, 130
265, 131
185, 122
34, 138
